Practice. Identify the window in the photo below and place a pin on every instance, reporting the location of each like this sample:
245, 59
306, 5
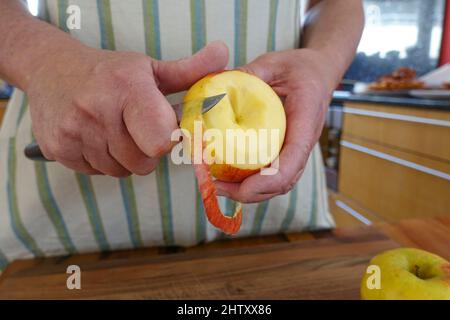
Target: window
398, 33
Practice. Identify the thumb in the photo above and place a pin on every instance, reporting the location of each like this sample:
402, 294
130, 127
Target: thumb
179, 75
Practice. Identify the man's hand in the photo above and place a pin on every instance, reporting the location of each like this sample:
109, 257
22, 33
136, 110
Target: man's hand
302, 78
305, 78
104, 112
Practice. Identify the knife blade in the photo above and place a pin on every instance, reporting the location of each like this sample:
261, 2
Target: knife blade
33, 151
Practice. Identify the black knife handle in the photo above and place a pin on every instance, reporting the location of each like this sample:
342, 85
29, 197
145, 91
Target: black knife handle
34, 152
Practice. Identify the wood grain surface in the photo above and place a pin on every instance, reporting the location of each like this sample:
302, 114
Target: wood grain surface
324, 265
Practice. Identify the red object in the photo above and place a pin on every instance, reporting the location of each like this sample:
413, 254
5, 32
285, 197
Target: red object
229, 225
445, 45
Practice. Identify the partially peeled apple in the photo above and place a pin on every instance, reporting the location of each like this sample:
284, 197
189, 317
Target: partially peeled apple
250, 105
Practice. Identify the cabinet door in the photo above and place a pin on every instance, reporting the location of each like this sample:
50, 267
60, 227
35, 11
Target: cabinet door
396, 162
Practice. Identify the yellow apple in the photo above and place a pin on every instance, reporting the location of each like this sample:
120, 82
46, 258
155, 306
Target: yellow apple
408, 274
250, 109
249, 106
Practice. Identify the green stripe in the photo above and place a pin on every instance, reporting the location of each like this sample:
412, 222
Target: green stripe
165, 202
271, 38
16, 221
198, 40
23, 108
51, 207
240, 32
153, 49
90, 201
151, 28
292, 208
313, 214
297, 18
43, 13
230, 206
198, 29
129, 202
126, 184
260, 214
3, 261
106, 27
200, 219
62, 15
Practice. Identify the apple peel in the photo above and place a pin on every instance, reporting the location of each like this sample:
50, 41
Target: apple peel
192, 112
229, 225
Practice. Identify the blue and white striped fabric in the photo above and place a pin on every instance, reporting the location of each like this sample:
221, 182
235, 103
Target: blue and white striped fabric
46, 209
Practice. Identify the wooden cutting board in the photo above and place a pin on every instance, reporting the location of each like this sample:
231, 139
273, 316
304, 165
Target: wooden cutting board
326, 268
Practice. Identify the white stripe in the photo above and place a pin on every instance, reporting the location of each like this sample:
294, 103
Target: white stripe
10, 244
393, 116
325, 219
127, 19
63, 183
175, 29
112, 211
306, 192
257, 27
147, 205
89, 32
248, 213
34, 216
182, 192
396, 160
221, 29
286, 26
353, 212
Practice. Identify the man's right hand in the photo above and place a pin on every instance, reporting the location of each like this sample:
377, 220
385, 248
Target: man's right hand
104, 112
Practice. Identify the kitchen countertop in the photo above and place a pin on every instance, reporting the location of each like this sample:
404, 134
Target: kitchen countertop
320, 265
345, 96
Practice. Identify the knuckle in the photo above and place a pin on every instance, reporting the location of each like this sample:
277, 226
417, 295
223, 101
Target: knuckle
286, 187
84, 105
143, 171
110, 170
245, 199
119, 173
121, 77
158, 148
48, 154
68, 129
54, 149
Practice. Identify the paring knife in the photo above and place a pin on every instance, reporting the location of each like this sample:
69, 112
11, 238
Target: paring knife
33, 152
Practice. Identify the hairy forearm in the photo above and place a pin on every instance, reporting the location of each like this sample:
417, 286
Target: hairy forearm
28, 43
334, 28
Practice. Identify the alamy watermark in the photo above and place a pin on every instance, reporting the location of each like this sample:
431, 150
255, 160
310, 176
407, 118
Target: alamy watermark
73, 21
374, 280
236, 146
74, 280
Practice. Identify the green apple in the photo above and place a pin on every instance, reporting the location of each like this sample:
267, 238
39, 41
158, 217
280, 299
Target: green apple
406, 274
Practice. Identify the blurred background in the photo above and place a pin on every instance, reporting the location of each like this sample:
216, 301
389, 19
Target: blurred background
398, 33
387, 152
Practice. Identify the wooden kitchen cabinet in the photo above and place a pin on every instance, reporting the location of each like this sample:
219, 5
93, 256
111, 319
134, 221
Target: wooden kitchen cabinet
394, 162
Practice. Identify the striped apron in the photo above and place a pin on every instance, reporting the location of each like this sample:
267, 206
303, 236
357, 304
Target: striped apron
46, 209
